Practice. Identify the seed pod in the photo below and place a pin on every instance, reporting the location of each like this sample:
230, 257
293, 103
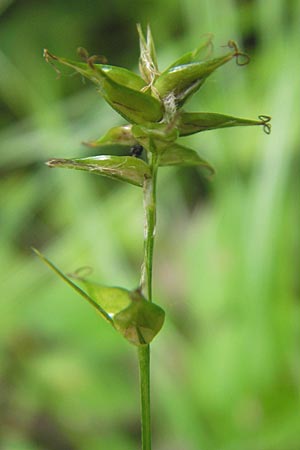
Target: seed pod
115, 136
116, 73
123, 168
184, 80
136, 107
190, 123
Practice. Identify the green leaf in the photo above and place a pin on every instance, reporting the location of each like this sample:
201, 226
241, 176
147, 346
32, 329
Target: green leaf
91, 301
190, 123
177, 155
115, 85
125, 168
115, 136
199, 53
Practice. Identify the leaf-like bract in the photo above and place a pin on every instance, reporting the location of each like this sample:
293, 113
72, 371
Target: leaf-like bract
137, 319
68, 280
140, 322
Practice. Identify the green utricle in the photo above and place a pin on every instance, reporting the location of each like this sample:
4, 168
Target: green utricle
121, 135
190, 123
120, 87
125, 168
184, 80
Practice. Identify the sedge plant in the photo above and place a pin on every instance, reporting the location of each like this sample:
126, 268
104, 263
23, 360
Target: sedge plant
152, 105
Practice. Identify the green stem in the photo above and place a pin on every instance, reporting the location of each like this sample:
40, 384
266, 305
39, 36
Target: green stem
144, 366
150, 224
146, 284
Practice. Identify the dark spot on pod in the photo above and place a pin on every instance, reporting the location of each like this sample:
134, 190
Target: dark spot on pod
136, 150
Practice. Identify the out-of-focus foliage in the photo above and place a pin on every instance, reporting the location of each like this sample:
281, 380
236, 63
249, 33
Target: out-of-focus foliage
226, 366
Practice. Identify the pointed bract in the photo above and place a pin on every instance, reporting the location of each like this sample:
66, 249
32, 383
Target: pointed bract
68, 280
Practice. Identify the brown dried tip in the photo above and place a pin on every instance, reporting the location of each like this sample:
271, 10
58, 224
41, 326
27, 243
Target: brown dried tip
84, 55
242, 59
101, 59
55, 162
265, 122
48, 58
89, 143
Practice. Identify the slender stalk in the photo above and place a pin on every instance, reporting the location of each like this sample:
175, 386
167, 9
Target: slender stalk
146, 284
150, 225
144, 366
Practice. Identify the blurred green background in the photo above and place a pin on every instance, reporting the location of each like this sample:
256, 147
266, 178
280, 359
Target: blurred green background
226, 367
